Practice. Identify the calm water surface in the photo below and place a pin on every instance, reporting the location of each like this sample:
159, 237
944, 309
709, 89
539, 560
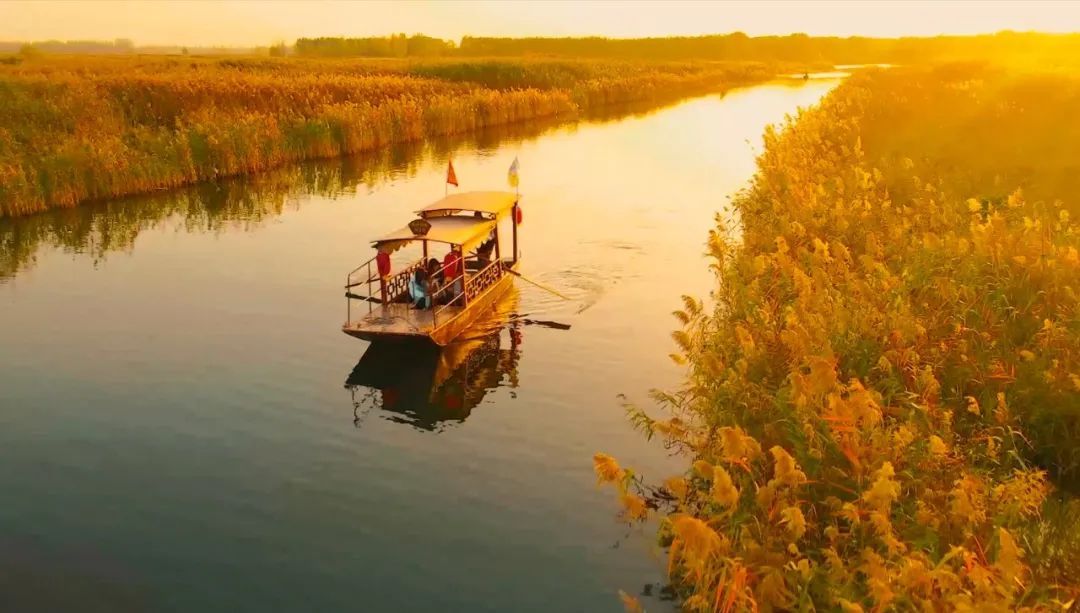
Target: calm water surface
183, 427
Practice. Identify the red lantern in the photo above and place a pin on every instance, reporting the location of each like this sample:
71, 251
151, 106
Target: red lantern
382, 260
517, 215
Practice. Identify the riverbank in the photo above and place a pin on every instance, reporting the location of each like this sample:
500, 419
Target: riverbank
75, 129
888, 379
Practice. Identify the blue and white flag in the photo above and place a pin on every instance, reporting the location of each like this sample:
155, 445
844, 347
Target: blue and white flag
512, 174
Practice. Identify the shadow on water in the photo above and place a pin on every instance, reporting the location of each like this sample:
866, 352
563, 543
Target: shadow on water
430, 387
246, 202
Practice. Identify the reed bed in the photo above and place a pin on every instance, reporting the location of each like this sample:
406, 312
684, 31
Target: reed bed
100, 229
74, 129
887, 387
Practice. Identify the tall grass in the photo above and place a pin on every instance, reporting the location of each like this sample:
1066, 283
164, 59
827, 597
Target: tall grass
890, 370
102, 228
86, 128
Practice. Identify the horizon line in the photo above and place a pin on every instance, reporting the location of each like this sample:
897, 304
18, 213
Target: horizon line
135, 44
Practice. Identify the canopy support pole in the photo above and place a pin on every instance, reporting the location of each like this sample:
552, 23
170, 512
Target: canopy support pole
513, 223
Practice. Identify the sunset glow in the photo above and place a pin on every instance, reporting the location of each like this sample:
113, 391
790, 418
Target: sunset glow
539, 305
255, 23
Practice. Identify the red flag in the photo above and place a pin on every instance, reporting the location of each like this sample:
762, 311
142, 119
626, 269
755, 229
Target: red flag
451, 178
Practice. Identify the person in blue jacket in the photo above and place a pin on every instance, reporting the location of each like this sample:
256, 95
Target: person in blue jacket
418, 289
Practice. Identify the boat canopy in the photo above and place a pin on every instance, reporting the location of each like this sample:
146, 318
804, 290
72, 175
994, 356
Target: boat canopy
467, 232
496, 204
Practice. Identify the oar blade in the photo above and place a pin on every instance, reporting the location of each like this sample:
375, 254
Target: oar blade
540, 285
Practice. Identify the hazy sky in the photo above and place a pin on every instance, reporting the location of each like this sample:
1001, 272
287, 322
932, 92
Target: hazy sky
234, 22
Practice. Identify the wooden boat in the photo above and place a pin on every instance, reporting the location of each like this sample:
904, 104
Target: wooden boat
461, 221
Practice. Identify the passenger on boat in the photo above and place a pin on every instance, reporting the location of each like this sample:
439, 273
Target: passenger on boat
452, 270
434, 271
435, 276
483, 252
419, 289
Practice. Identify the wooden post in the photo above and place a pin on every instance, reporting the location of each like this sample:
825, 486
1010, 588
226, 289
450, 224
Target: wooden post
513, 221
367, 277
464, 278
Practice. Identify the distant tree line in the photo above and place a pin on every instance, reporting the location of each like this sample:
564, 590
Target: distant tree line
792, 48
120, 45
799, 48
398, 45
737, 46
125, 46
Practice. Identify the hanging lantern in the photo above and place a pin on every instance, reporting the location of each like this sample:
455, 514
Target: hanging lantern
382, 259
517, 215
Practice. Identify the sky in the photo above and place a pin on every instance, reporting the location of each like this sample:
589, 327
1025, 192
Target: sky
251, 22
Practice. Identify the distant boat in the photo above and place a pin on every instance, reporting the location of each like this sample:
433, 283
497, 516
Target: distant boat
467, 222
805, 76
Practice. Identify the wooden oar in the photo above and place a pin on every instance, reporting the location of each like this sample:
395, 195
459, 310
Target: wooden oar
524, 319
537, 284
554, 325
359, 297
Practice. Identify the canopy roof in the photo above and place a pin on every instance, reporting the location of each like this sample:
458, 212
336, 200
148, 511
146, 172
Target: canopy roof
453, 230
491, 203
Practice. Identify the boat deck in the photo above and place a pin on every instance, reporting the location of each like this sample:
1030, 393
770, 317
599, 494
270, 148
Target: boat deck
399, 319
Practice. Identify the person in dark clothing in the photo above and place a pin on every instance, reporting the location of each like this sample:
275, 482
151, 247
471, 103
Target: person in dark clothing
483, 252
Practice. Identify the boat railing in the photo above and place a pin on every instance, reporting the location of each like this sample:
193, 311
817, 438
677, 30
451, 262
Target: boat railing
365, 283
440, 294
487, 276
398, 285
359, 277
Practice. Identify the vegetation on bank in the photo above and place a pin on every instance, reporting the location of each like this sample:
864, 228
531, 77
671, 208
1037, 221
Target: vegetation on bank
104, 228
83, 128
797, 47
889, 380
736, 46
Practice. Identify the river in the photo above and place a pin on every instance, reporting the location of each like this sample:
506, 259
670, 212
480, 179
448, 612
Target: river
182, 429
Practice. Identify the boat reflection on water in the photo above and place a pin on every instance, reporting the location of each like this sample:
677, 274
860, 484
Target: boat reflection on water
431, 388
